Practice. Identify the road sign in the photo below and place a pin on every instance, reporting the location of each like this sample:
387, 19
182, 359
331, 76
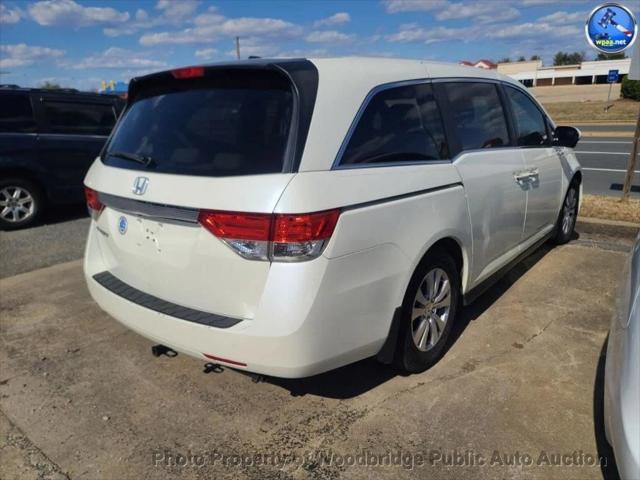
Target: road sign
612, 77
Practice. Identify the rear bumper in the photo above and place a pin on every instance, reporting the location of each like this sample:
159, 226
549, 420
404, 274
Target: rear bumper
312, 317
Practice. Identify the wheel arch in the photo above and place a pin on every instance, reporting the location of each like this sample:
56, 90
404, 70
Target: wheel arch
26, 174
577, 178
453, 246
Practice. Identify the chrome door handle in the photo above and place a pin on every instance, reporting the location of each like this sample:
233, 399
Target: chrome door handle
526, 175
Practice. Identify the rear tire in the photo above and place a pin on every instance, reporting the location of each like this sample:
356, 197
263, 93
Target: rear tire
428, 313
568, 214
21, 203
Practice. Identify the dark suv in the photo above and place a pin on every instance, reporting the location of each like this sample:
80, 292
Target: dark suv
48, 139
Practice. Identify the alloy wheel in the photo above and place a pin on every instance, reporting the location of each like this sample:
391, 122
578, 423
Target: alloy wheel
569, 211
16, 204
431, 308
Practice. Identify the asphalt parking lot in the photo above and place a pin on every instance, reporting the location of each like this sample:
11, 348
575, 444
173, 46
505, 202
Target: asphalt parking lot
517, 393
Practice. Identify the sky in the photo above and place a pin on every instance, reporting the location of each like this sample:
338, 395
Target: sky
79, 43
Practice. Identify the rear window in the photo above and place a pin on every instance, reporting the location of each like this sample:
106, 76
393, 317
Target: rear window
400, 124
230, 124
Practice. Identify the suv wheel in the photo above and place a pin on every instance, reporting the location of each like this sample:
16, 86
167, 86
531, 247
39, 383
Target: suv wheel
20, 203
568, 215
428, 312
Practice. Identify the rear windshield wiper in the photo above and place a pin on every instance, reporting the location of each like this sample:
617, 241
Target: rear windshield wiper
134, 157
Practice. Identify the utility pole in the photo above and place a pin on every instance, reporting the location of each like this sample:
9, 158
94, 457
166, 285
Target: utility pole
632, 162
634, 74
238, 47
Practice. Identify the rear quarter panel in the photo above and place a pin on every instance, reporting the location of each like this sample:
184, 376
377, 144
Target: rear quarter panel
404, 209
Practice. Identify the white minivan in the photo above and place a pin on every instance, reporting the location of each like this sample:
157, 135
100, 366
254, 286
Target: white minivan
287, 217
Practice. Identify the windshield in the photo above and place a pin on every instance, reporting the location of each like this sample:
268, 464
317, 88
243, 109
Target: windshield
208, 128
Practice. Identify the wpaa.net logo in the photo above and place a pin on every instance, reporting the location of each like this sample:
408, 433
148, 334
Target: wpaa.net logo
611, 28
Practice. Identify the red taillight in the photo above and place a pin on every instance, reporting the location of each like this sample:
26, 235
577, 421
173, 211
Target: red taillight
239, 226
304, 227
94, 204
188, 72
280, 237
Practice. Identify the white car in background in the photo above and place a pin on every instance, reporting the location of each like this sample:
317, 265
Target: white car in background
287, 217
622, 374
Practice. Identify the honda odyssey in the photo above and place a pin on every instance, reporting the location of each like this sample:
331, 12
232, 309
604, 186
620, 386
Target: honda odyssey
287, 217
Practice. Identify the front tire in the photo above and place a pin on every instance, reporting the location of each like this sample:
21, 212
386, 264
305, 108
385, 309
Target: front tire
568, 215
429, 311
21, 203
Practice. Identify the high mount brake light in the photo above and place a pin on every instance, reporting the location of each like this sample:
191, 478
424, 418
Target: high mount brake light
278, 237
188, 72
94, 205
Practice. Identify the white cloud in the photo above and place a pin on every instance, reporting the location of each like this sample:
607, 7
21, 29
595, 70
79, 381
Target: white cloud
115, 57
172, 12
9, 15
413, 33
562, 18
328, 36
502, 15
534, 29
483, 11
336, 19
210, 18
177, 11
220, 27
534, 3
22, 55
142, 15
68, 13
395, 6
302, 53
206, 53
556, 25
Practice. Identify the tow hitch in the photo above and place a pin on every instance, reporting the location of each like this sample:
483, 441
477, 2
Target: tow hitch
158, 350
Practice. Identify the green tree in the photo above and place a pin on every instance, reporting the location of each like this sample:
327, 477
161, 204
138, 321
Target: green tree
611, 56
522, 59
505, 60
50, 85
534, 57
566, 58
630, 88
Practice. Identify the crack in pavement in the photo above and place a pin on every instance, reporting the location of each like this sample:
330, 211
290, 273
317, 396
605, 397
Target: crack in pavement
32, 457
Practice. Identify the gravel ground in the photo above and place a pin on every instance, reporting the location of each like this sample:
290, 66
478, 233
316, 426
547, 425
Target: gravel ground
60, 240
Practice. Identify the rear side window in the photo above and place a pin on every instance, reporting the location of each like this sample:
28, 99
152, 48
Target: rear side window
16, 114
231, 124
477, 115
79, 118
400, 124
531, 130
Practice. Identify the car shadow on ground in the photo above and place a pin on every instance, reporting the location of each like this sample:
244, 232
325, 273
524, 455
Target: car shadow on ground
605, 453
357, 378
60, 214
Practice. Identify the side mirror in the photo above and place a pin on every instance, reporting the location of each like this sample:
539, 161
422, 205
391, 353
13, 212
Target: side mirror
566, 136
